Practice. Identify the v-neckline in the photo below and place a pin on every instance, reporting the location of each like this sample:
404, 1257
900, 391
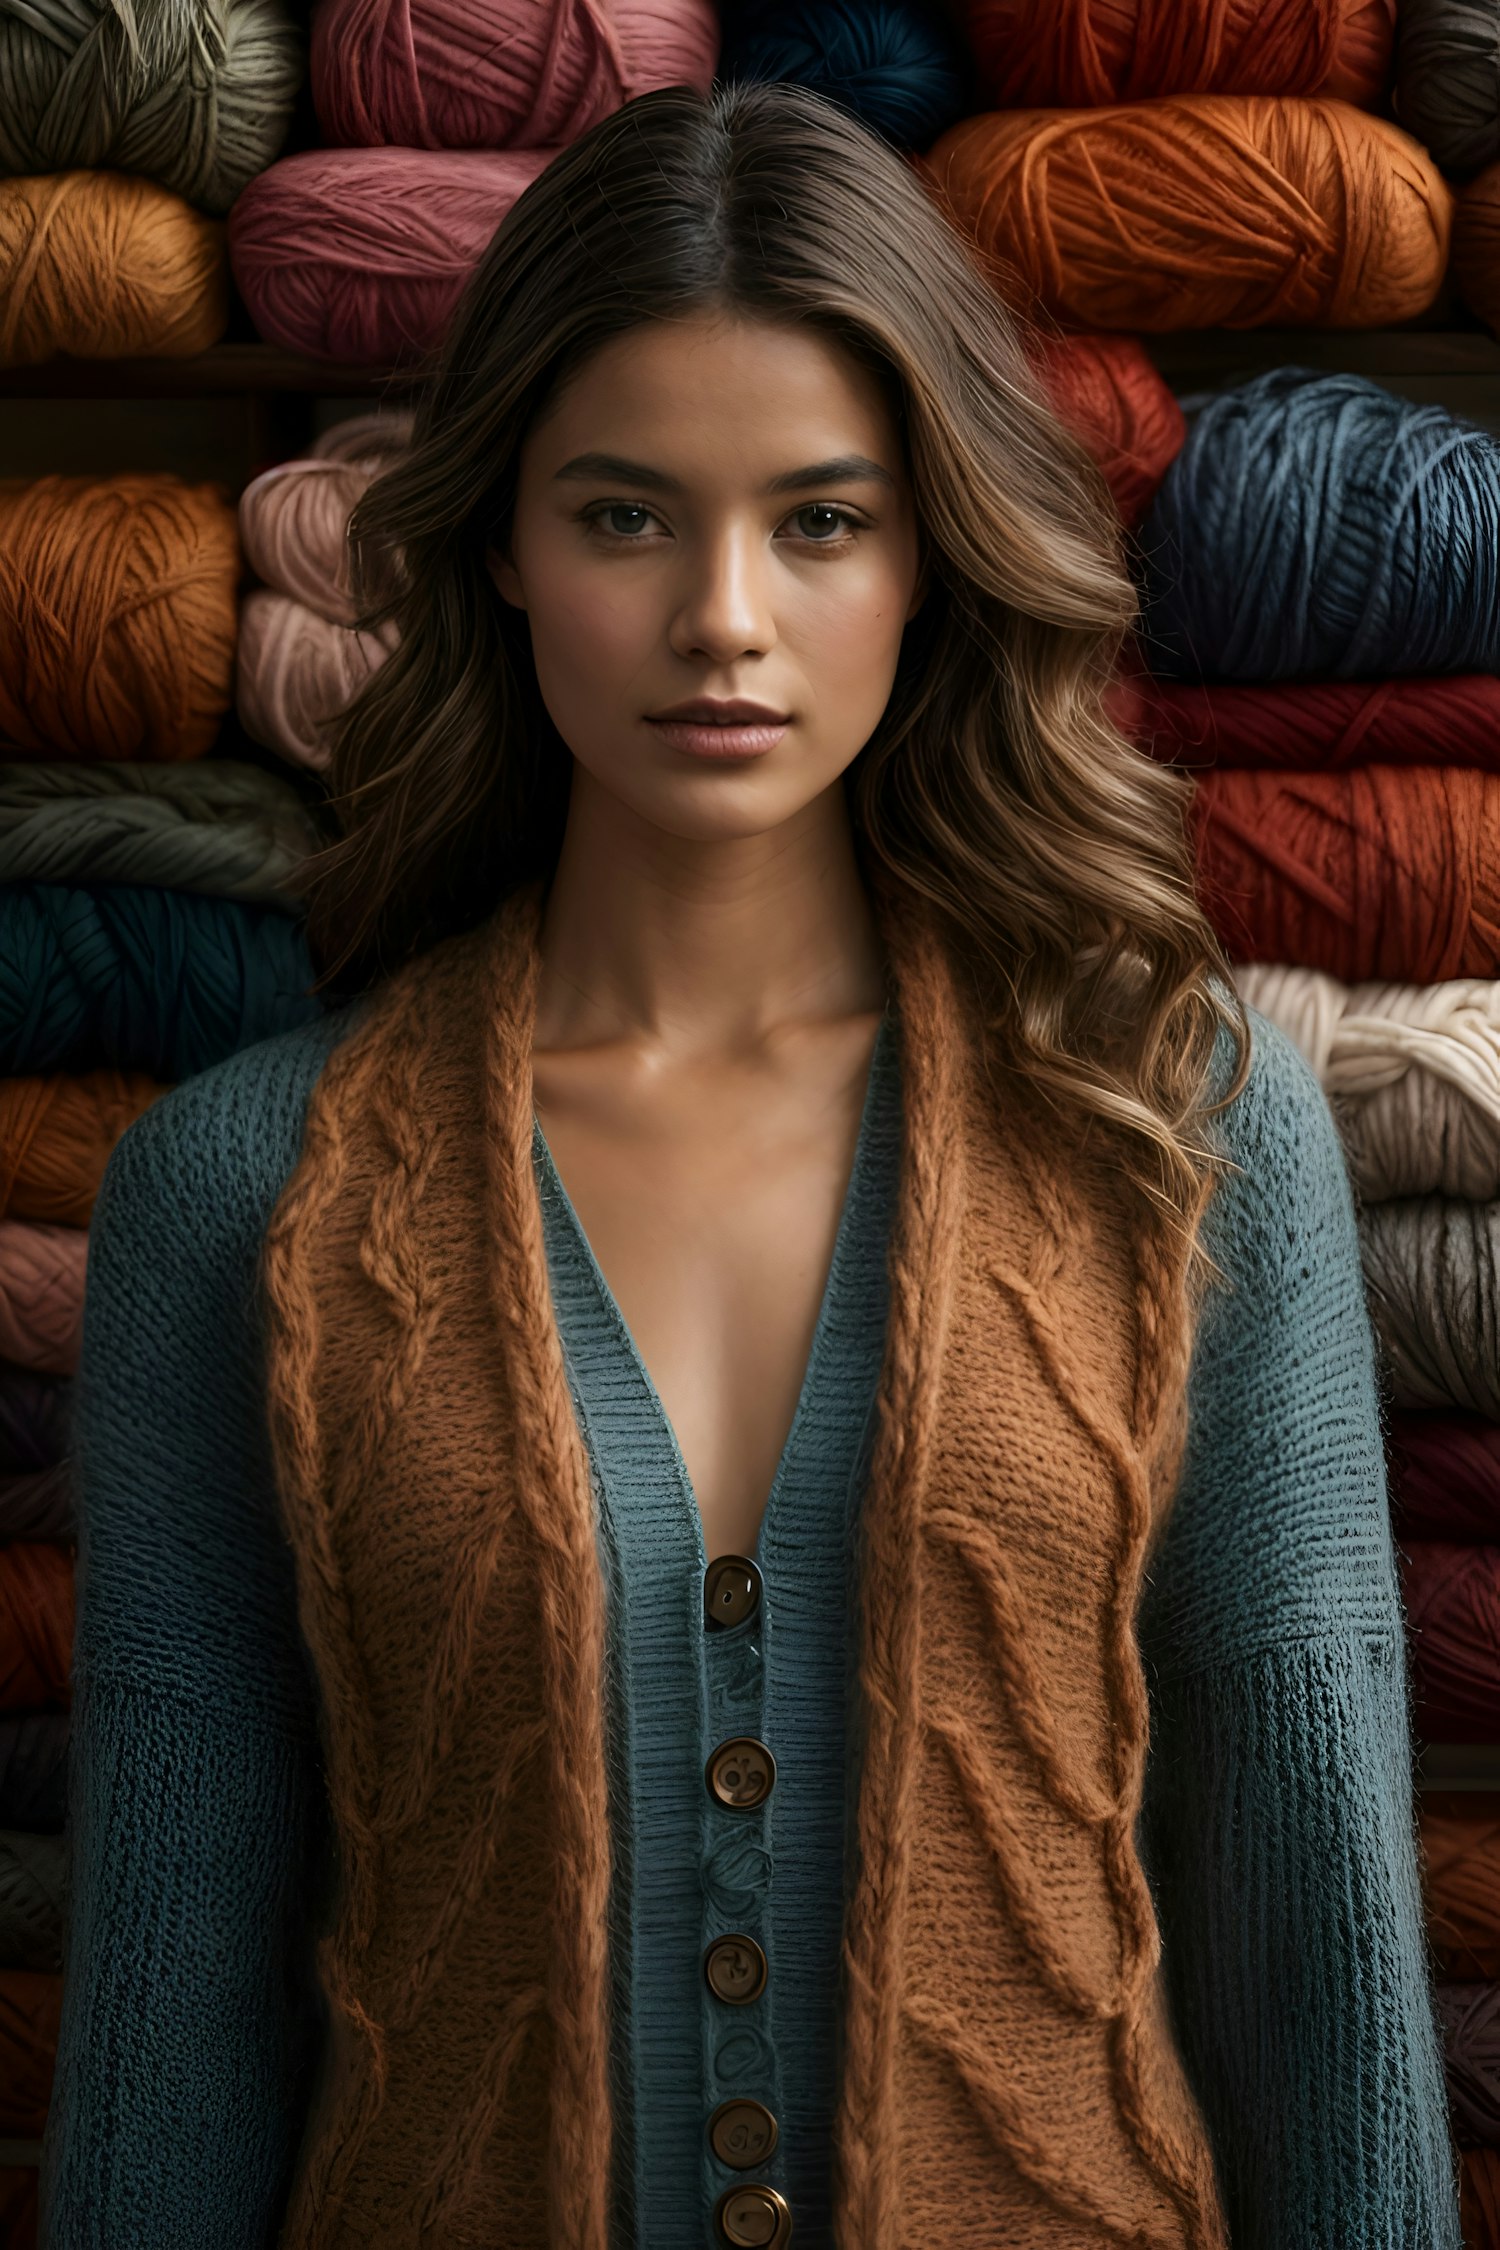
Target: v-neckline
817, 1350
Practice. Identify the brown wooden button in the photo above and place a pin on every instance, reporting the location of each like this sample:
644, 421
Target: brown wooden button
736, 1970
731, 1592
741, 1773
742, 2133
753, 2218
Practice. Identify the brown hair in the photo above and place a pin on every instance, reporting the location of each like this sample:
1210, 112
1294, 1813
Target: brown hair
995, 784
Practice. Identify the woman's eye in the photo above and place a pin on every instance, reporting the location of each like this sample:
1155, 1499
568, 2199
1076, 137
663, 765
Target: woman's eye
625, 518
821, 523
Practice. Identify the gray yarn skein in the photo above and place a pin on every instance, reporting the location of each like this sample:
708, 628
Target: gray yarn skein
216, 826
1447, 88
1432, 1277
196, 94
1418, 1137
33, 1900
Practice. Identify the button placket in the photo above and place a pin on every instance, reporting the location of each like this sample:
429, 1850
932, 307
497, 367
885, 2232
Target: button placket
741, 2080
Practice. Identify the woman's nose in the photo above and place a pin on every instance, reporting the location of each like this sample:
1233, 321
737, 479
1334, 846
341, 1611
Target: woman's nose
724, 605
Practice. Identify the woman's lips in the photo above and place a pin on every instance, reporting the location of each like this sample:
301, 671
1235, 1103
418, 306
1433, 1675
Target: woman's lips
734, 732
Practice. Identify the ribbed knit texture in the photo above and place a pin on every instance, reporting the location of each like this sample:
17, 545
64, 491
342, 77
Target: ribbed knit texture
1277, 1799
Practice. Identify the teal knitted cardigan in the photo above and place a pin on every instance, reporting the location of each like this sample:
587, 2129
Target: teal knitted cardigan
1277, 1830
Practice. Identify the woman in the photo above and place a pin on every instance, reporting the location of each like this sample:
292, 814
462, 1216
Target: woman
643, 1482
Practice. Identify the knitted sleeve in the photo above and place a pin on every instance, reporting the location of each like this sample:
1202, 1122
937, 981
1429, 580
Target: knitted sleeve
189, 2026
1278, 1828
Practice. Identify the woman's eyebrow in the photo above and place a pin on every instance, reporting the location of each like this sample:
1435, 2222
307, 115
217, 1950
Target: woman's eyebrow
844, 468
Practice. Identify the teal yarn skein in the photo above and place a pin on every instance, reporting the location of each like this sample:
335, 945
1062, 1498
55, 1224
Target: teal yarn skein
196, 94
891, 63
1319, 527
164, 981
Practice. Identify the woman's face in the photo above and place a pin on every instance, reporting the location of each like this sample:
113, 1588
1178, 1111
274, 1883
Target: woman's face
716, 547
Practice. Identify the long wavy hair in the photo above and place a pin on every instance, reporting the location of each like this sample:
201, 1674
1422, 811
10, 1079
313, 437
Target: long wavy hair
1056, 856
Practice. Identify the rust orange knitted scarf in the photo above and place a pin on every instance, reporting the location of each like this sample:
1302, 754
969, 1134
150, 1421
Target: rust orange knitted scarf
1009, 2077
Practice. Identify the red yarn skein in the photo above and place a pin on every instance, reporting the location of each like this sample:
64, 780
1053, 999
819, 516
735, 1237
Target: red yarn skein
36, 1626
1111, 396
498, 73
1445, 1476
1461, 1878
1317, 727
1383, 872
1080, 54
1453, 1621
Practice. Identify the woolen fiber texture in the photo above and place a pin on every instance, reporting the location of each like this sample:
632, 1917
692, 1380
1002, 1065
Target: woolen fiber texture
117, 616
1107, 391
1469, 2017
893, 64
195, 93
160, 981
216, 826
492, 74
1086, 54
359, 255
1447, 87
1460, 1831
1476, 245
297, 672
34, 1412
36, 1627
1445, 1476
104, 265
1432, 1273
1319, 526
30, 2009
56, 1135
1453, 1624
38, 1505
33, 1900
1316, 725
1201, 211
294, 518
41, 1295
1389, 872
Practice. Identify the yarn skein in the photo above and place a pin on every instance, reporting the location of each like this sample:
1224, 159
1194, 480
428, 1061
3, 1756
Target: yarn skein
891, 63
294, 519
1201, 211
1384, 872
1447, 88
1432, 1278
216, 826
1316, 725
1082, 54
160, 981
1469, 2018
1452, 1596
101, 265
33, 1772
57, 1135
297, 673
38, 1506
36, 1626
33, 1899
1321, 526
1110, 395
1479, 2197
117, 616
30, 2019
1460, 1832
1445, 1476
34, 1412
197, 94
1412, 1072
359, 255
41, 1295
492, 74
1476, 246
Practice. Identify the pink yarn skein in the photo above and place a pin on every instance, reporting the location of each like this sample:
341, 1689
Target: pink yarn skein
294, 519
359, 255
296, 671
498, 73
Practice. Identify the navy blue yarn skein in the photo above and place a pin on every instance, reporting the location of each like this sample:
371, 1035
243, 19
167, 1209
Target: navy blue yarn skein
1319, 527
887, 61
165, 981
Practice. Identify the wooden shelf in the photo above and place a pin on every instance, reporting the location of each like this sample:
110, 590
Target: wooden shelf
1458, 1766
1214, 356
225, 371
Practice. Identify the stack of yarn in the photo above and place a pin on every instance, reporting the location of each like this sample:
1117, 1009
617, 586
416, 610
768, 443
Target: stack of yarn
147, 931
125, 135
435, 116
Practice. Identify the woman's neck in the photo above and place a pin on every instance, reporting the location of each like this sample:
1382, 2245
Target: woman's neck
702, 947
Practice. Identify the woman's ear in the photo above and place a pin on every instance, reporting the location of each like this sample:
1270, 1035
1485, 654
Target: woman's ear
507, 578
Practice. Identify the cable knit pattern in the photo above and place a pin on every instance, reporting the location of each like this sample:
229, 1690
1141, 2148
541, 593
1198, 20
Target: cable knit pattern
1276, 1805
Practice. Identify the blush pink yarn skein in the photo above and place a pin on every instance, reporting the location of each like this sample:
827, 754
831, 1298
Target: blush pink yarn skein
297, 671
498, 73
359, 255
294, 519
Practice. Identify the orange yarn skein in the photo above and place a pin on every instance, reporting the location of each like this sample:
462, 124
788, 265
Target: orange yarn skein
103, 265
1205, 211
1076, 54
1476, 246
117, 616
1461, 1878
56, 1135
